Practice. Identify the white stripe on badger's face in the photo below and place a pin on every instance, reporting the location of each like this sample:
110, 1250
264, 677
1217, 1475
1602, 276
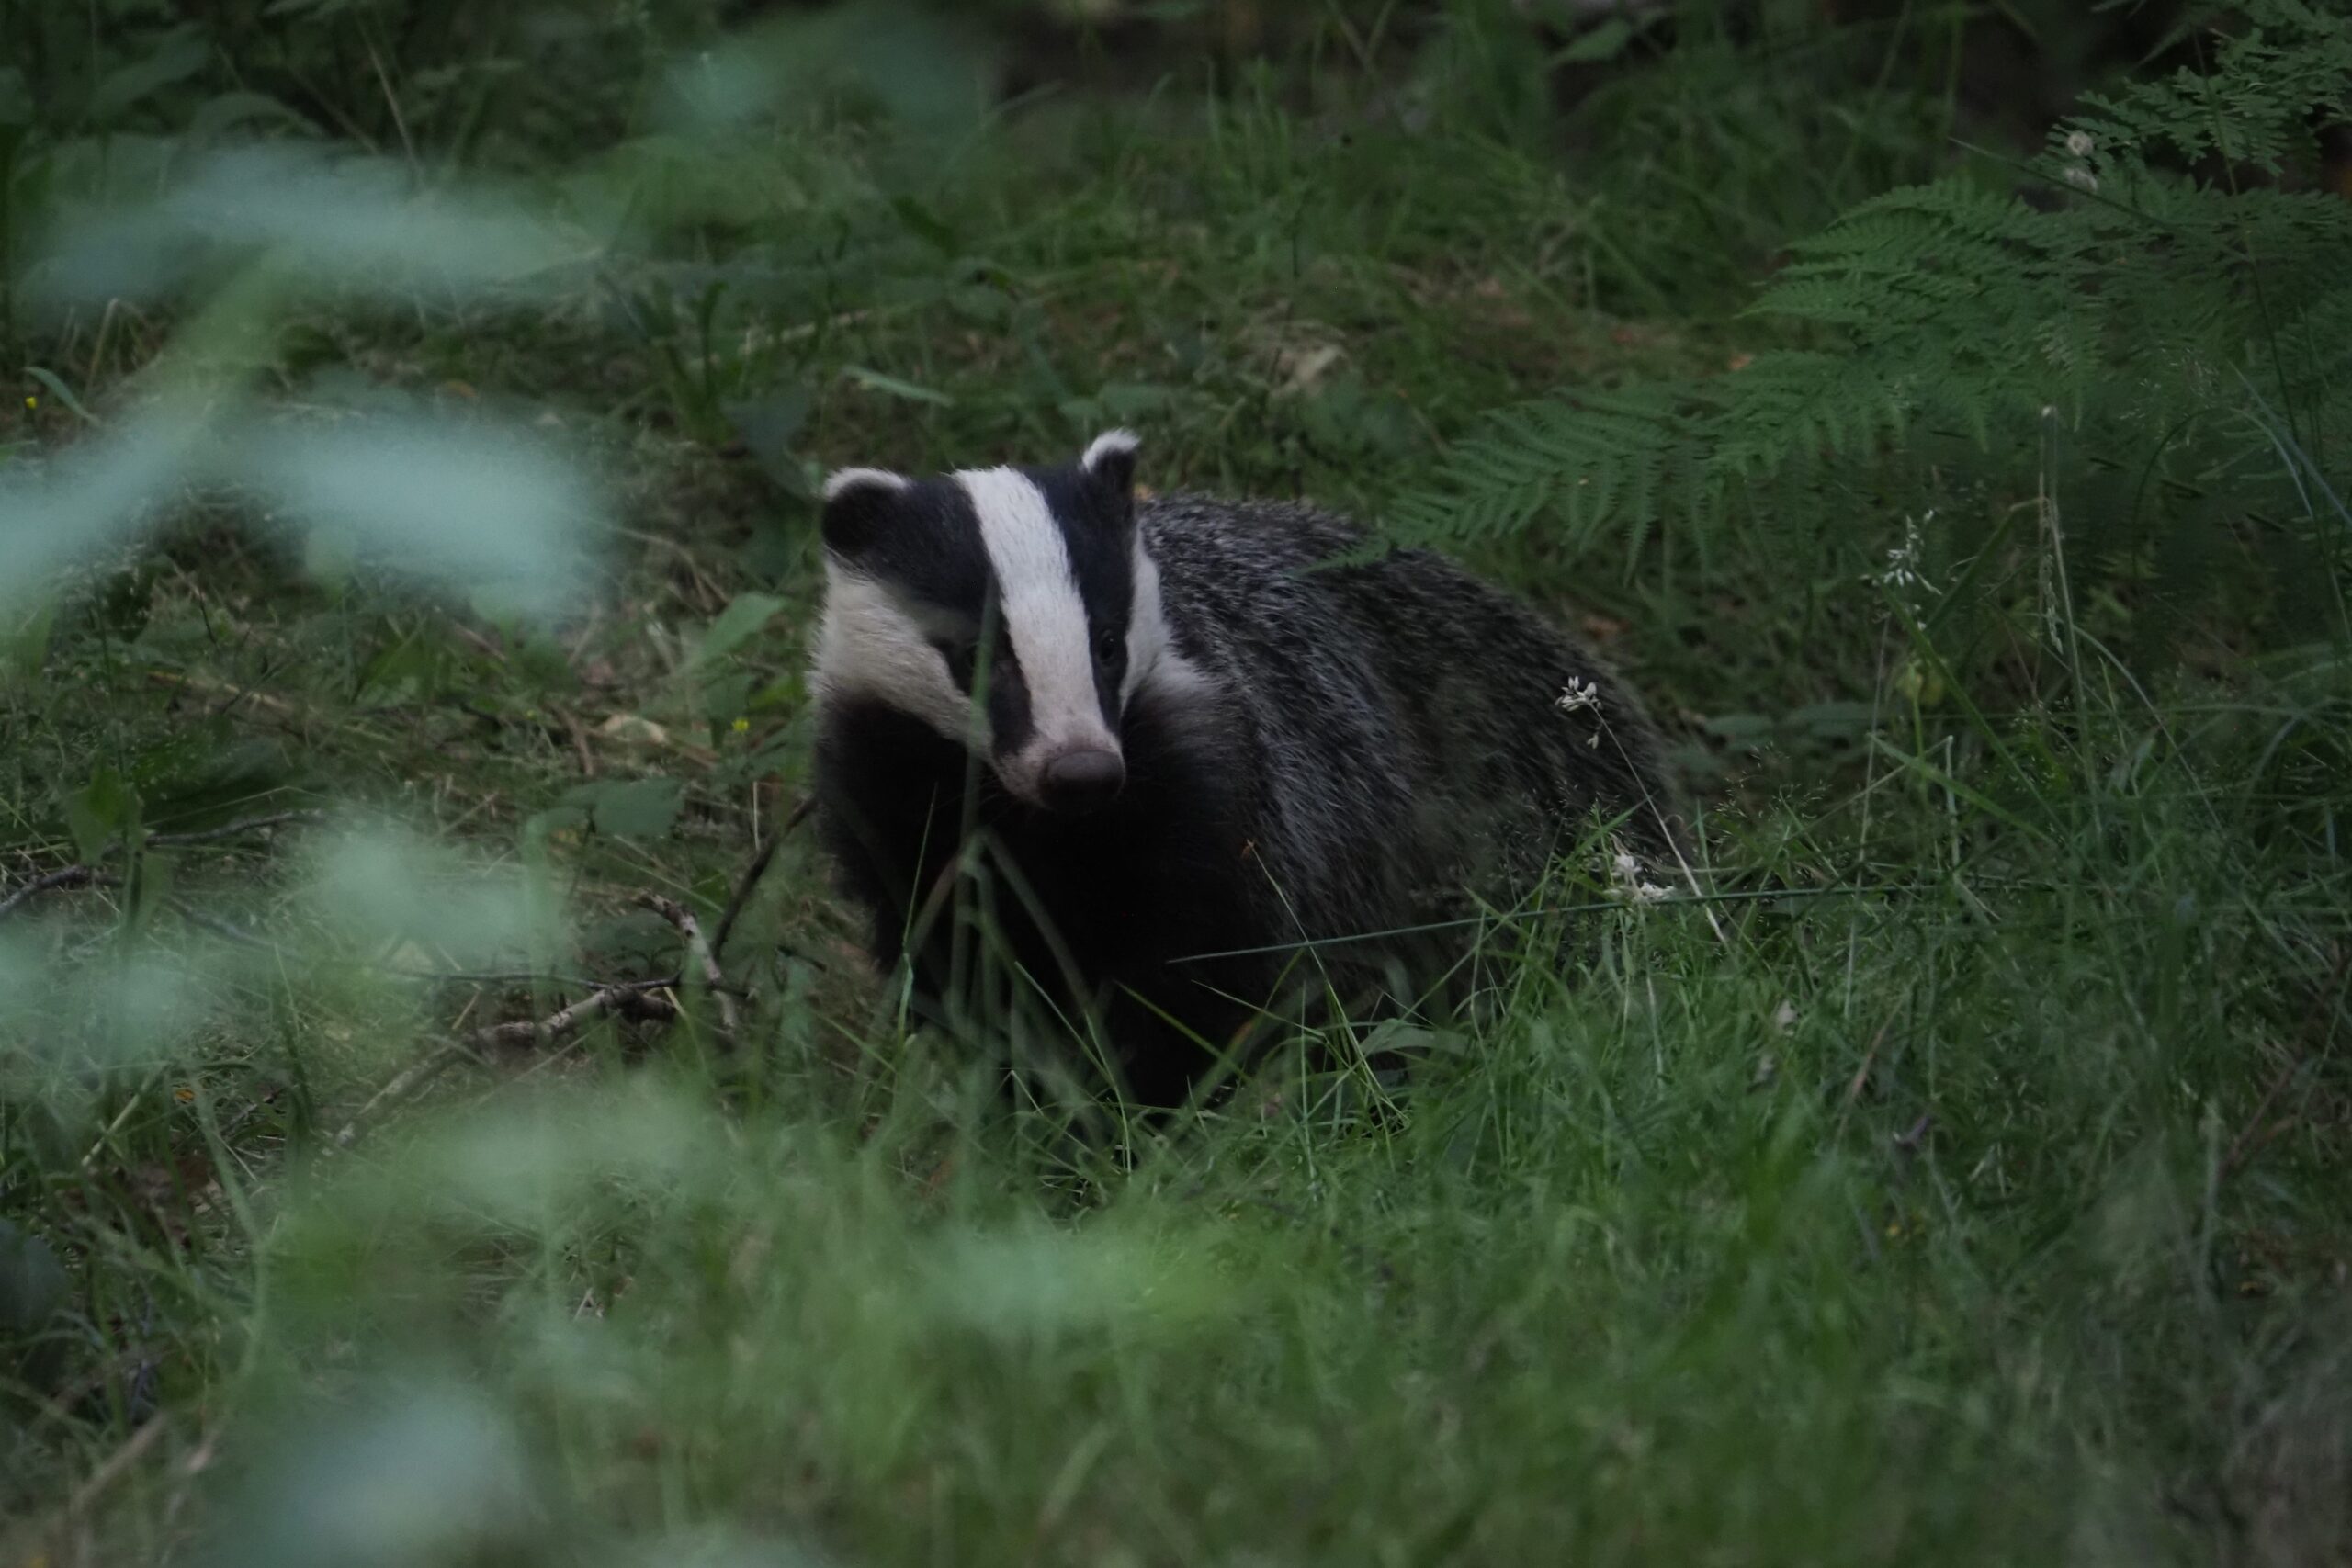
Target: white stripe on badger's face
1152, 652
1046, 620
871, 642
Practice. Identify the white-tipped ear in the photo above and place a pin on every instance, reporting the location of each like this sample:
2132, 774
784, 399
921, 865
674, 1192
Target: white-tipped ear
1112, 446
861, 504
842, 481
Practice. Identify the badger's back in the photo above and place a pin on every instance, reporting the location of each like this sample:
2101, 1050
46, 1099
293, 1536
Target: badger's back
1406, 748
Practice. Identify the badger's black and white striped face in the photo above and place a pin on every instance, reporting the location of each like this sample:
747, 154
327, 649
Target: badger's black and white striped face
1016, 610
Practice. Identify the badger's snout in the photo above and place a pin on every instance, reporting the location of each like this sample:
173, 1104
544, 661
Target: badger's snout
1084, 779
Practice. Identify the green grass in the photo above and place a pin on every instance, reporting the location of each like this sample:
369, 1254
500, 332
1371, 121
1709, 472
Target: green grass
1976, 1193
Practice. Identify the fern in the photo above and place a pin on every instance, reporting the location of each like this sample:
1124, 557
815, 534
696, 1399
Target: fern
1616, 456
2255, 105
2181, 320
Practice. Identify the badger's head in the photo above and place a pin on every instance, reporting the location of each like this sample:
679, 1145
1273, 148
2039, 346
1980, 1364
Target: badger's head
1014, 610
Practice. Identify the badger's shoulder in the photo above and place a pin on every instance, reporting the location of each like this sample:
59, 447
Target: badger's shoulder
1241, 540
1245, 578
1240, 543
1398, 661
1278, 573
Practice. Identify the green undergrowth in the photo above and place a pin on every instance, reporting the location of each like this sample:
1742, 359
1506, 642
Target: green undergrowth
402, 595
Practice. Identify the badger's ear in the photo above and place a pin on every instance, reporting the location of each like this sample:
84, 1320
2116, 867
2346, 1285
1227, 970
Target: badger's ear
1109, 461
859, 503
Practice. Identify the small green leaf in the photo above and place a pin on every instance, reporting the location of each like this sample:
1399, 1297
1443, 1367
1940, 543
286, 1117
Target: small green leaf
927, 225
173, 58
33, 1289
538, 828
1606, 42
24, 648
230, 110
1742, 728
874, 381
121, 607
1833, 719
982, 304
410, 668
100, 812
632, 808
738, 624
61, 392
767, 427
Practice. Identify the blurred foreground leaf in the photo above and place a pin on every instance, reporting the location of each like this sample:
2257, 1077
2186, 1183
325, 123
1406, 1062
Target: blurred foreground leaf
328, 220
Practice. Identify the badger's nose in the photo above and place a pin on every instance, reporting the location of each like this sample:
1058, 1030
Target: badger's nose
1084, 781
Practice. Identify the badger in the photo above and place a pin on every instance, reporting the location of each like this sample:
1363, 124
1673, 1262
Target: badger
1160, 764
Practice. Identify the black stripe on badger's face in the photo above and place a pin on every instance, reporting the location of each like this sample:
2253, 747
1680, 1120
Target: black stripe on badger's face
1022, 584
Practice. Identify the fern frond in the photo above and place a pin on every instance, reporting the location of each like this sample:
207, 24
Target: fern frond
1595, 460
2136, 303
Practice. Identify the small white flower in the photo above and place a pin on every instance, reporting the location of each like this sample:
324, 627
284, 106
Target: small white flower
2082, 179
1626, 882
2079, 144
1578, 696
1904, 569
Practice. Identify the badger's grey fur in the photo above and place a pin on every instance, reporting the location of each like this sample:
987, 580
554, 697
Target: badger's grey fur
1179, 728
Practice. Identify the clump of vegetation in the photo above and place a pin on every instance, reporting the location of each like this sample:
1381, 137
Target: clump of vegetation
421, 1139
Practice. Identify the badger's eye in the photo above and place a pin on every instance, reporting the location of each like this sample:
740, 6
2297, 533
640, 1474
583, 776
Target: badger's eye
963, 658
1110, 646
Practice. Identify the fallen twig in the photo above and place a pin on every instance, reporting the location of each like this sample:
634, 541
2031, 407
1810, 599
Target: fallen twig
1861, 1078
579, 733
55, 882
405, 1082
112, 1470
231, 830
286, 711
698, 953
630, 998
74, 876
222, 928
